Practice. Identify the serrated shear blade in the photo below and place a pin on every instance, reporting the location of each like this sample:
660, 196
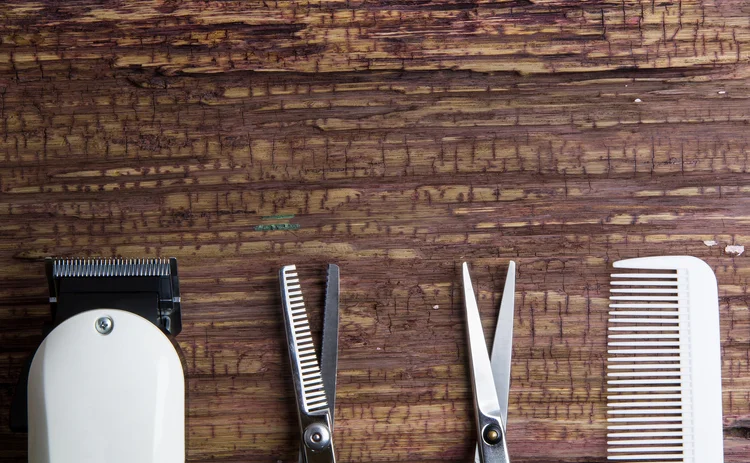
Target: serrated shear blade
329, 351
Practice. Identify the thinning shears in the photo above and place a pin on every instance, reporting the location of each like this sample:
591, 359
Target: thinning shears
314, 383
490, 376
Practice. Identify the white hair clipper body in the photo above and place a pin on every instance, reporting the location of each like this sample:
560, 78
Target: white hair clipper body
107, 384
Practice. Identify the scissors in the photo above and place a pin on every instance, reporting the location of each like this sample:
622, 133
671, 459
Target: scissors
490, 376
314, 383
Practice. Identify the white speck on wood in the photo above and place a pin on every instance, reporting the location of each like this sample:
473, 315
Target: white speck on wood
435, 307
710, 243
734, 249
722, 92
638, 100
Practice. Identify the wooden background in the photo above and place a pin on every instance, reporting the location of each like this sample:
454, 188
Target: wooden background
396, 139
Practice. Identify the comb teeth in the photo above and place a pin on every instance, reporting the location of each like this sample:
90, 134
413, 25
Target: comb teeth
110, 267
313, 393
653, 368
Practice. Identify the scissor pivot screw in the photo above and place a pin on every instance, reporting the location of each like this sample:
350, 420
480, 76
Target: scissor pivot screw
492, 435
317, 436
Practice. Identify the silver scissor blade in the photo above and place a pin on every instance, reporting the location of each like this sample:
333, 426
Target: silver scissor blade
502, 346
329, 351
302, 357
485, 394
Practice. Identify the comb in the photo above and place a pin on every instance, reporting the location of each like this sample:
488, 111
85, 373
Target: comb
308, 381
664, 366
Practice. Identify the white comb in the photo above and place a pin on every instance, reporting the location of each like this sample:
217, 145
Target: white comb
664, 371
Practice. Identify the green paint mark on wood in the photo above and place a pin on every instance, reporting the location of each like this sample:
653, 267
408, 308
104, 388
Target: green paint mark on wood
278, 217
277, 226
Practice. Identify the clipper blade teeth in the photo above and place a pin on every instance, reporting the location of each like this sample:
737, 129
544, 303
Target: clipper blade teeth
110, 267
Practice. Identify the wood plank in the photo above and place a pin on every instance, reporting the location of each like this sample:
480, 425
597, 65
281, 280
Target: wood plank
397, 140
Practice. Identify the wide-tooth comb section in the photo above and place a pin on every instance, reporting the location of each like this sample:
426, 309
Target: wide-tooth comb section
650, 390
313, 393
111, 267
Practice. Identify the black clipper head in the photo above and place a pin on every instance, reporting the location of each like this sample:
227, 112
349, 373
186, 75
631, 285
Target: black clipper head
146, 287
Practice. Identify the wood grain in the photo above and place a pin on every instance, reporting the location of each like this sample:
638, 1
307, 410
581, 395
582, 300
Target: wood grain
396, 139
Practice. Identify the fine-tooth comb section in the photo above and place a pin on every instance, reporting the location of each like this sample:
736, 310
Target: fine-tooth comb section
110, 267
664, 373
313, 393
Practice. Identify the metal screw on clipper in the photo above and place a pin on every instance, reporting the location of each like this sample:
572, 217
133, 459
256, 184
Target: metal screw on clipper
104, 325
